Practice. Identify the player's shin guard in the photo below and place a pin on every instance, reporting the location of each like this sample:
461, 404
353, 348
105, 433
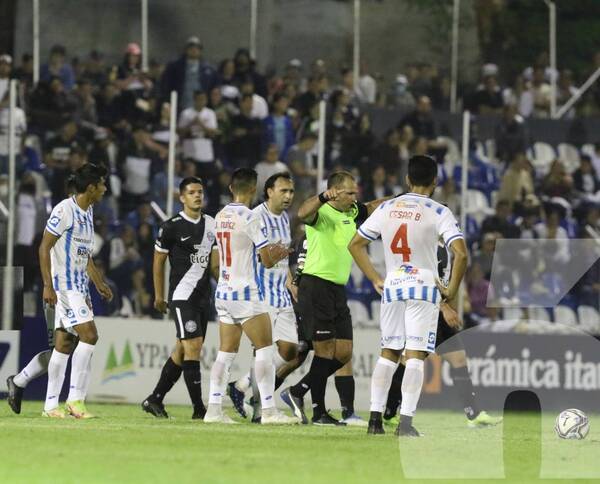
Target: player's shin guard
192, 377
464, 386
411, 386
219, 374
80, 367
264, 371
56, 377
35, 368
380, 383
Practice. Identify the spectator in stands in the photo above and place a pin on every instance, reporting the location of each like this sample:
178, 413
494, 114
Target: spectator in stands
160, 184
188, 74
122, 257
377, 185
5, 74
138, 161
27, 213
293, 75
301, 162
245, 68
85, 104
484, 255
541, 92
488, 97
51, 105
278, 127
20, 132
480, 293
24, 73
244, 147
542, 62
260, 108
420, 120
317, 86
588, 287
268, 167
108, 107
142, 214
218, 194
388, 153
510, 134
57, 67
359, 149
129, 73
482, 175
517, 181
95, 69
520, 96
565, 91
139, 295
366, 90
585, 181
442, 94
342, 124
400, 96
557, 183
448, 195
197, 126
102, 306
501, 222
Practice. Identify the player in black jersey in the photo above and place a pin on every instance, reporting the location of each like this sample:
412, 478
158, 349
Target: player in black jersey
449, 346
188, 241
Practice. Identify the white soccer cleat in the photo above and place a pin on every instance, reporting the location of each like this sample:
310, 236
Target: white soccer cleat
277, 418
218, 417
355, 421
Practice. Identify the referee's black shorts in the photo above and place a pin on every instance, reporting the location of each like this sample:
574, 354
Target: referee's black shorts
323, 309
190, 320
447, 339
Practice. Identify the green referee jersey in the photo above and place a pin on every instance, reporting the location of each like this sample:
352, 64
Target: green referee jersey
327, 254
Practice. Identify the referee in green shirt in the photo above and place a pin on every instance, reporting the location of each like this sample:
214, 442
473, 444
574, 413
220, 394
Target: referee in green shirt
331, 219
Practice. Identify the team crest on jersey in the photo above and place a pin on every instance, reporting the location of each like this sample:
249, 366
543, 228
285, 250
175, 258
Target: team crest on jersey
211, 237
190, 326
83, 312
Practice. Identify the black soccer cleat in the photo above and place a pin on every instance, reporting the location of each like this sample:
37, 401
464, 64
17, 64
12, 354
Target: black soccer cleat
199, 412
375, 427
237, 398
406, 431
296, 404
155, 408
327, 419
15, 395
257, 420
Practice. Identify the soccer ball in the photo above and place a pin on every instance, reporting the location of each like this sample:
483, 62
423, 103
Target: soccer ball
572, 424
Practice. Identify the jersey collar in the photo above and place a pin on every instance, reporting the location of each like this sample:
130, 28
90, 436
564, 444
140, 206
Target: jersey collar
190, 219
415, 195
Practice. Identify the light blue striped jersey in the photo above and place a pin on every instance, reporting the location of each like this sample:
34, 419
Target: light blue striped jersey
272, 281
69, 257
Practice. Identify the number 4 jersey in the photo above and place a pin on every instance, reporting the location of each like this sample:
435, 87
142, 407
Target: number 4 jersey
410, 227
240, 234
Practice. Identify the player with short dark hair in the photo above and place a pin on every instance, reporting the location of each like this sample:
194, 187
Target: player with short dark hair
330, 219
410, 226
66, 265
188, 241
241, 238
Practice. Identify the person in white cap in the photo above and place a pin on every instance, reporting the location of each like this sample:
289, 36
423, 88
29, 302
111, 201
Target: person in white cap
5, 70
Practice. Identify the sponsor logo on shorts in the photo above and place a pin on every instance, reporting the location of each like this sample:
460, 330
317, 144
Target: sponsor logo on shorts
83, 312
190, 326
414, 338
431, 340
70, 314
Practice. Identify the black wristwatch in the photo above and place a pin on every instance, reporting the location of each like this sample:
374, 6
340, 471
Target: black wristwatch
322, 198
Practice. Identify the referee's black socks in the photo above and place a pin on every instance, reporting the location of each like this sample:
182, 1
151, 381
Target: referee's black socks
193, 382
320, 370
345, 387
168, 377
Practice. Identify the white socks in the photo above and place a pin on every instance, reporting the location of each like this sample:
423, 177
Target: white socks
36, 367
381, 382
244, 383
56, 377
264, 370
80, 369
411, 386
219, 374
278, 360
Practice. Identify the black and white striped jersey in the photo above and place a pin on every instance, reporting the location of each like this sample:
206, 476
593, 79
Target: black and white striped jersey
189, 244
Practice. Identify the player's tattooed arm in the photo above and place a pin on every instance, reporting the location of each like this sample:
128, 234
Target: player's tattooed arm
358, 249
101, 285
158, 275
48, 241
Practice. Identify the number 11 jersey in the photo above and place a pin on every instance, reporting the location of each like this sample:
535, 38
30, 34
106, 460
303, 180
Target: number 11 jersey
240, 234
410, 226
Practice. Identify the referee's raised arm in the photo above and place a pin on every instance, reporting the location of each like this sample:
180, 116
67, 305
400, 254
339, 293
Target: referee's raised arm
309, 208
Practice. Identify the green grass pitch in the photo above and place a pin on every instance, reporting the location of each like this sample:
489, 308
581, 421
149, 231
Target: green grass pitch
126, 445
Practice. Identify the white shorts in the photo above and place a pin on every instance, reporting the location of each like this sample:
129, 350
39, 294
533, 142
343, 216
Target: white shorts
238, 312
72, 309
283, 324
410, 325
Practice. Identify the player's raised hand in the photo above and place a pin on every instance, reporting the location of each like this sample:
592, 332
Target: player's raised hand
49, 296
160, 305
451, 316
105, 291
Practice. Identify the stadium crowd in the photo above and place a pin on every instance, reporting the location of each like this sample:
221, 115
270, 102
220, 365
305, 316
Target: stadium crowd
232, 115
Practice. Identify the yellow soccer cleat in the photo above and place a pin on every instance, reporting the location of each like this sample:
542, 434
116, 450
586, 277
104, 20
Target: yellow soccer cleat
55, 413
77, 409
484, 420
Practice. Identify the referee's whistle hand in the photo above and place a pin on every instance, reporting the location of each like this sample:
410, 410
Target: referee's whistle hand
49, 296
